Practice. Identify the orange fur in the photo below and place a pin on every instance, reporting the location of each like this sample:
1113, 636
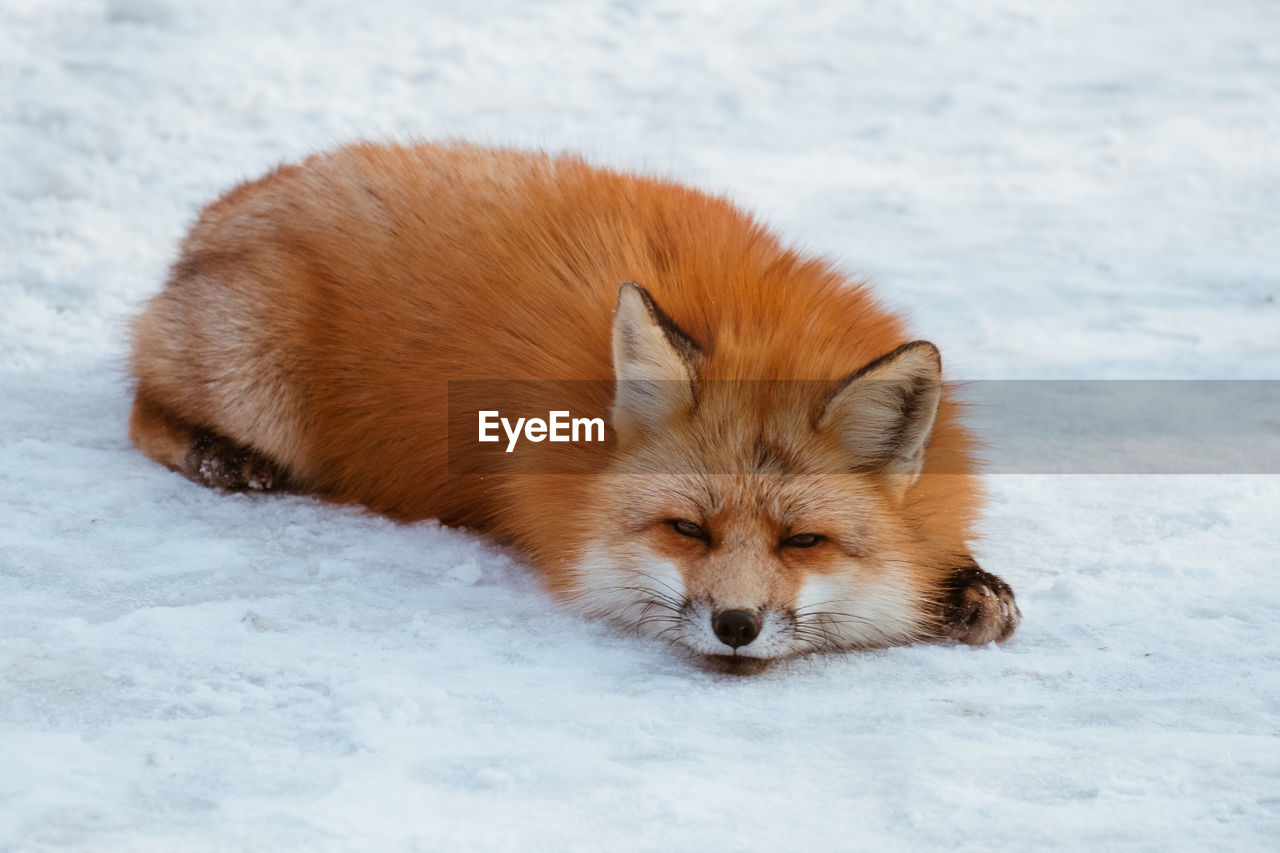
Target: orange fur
317, 315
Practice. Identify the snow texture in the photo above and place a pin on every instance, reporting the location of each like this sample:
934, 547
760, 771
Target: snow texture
1059, 189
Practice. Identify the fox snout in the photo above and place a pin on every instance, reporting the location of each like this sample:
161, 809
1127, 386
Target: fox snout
722, 629
736, 628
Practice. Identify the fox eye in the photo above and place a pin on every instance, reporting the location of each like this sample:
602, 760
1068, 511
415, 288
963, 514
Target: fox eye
802, 540
687, 528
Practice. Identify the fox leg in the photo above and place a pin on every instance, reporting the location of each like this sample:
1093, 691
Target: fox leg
198, 453
977, 607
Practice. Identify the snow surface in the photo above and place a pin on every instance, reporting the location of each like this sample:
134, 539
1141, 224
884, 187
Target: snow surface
1058, 189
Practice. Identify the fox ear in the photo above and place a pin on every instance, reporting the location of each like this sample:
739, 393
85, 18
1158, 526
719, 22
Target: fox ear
654, 363
883, 413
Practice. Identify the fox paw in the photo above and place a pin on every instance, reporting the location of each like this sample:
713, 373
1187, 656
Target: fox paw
978, 607
221, 463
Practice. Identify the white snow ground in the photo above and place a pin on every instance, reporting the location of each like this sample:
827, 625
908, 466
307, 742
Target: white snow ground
1052, 189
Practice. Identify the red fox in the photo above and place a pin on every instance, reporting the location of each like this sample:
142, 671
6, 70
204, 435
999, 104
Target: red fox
784, 470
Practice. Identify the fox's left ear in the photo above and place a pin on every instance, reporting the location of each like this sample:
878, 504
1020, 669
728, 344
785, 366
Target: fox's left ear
655, 363
883, 412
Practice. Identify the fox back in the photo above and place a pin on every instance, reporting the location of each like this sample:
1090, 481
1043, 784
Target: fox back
779, 449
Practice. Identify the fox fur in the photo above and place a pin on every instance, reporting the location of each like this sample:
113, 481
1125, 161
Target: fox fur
785, 471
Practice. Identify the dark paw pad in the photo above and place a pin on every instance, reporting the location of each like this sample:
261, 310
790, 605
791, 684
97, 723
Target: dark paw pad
223, 464
978, 607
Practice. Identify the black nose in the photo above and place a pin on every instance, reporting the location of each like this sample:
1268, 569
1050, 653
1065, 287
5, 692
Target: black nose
735, 627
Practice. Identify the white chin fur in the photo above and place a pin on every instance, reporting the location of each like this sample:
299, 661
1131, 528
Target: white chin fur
838, 611
646, 599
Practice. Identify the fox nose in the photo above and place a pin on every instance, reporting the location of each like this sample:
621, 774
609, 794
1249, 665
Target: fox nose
736, 627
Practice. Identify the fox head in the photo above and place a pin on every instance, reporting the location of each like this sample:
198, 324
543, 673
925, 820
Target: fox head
758, 519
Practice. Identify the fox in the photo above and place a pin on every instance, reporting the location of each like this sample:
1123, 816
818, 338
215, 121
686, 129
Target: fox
784, 470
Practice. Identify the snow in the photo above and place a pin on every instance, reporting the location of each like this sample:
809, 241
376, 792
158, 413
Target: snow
1065, 189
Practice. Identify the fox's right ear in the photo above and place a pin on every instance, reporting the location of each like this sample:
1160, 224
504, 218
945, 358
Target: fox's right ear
655, 363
